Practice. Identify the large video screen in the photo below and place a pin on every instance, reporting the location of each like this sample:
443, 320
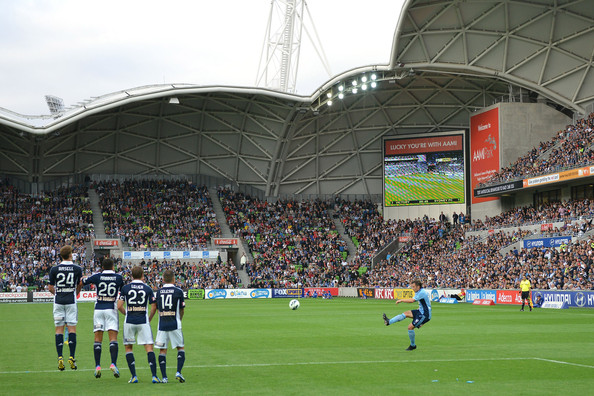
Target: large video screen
424, 171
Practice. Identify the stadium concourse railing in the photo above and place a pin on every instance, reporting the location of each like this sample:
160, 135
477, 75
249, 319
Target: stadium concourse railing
559, 298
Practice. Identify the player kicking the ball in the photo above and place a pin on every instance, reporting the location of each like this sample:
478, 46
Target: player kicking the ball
419, 316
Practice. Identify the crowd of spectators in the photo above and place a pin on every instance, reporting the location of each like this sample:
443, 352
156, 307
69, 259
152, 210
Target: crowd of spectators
195, 274
158, 215
371, 233
567, 211
33, 228
294, 243
458, 262
572, 148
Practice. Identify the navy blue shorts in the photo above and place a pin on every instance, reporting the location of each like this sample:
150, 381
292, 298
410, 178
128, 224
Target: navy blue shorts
418, 318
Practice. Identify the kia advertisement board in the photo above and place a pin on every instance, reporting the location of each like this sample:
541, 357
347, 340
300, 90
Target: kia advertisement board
484, 149
287, 293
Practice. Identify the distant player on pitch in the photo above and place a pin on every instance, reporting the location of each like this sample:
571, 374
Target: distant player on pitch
170, 304
106, 318
138, 297
65, 284
419, 316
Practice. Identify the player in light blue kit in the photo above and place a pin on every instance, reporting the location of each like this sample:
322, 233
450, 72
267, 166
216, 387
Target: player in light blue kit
419, 316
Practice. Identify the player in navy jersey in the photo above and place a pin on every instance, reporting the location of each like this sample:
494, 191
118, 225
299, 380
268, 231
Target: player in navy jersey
170, 305
105, 318
419, 316
138, 297
65, 284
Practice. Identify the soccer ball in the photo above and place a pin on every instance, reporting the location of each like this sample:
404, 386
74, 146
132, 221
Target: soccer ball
294, 304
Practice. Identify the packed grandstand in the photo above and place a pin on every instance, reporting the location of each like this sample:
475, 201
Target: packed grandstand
297, 243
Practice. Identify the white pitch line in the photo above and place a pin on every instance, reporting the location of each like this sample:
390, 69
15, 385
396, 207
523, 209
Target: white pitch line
289, 364
561, 362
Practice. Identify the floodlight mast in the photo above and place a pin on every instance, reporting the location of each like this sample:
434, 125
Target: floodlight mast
279, 60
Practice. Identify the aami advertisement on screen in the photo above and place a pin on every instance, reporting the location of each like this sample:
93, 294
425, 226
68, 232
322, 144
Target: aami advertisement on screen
484, 149
424, 170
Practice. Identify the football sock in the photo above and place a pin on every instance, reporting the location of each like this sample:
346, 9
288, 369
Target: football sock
131, 363
59, 343
163, 365
181, 358
411, 335
97, 351
113, 350
152, 363
523, 302
397, 318
72, 343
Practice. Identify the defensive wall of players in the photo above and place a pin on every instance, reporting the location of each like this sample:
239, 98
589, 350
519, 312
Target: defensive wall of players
573, 298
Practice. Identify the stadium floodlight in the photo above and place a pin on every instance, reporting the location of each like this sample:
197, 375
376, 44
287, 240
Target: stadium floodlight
329, 94
173, 100
329, 103
364, 87
55, 104
373, 77
355, 90
364, 79
340, 88
341, 96
354, 83
373, 84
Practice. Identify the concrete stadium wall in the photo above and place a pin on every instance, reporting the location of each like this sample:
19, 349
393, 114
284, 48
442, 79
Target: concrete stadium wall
522, 126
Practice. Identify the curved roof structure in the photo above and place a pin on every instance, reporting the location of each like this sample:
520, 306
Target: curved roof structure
542, 45
449, 58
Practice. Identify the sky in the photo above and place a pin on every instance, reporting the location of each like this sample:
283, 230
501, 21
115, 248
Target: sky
78, 49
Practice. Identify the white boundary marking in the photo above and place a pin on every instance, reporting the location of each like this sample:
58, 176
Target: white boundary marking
289, 364
561, 362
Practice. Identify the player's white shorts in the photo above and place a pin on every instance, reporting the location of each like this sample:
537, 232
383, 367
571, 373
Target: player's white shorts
175, 337
65, 314
138, 333
106, 319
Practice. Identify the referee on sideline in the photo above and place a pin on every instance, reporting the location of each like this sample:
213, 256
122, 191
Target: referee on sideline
525, 290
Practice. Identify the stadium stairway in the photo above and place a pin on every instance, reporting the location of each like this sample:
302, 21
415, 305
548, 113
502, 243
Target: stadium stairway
226, 233
352, 250
218, 209
98, 224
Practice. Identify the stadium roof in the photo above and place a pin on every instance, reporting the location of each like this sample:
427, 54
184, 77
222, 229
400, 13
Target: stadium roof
448, 59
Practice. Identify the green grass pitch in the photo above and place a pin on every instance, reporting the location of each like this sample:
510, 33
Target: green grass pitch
326, 347
423, 187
